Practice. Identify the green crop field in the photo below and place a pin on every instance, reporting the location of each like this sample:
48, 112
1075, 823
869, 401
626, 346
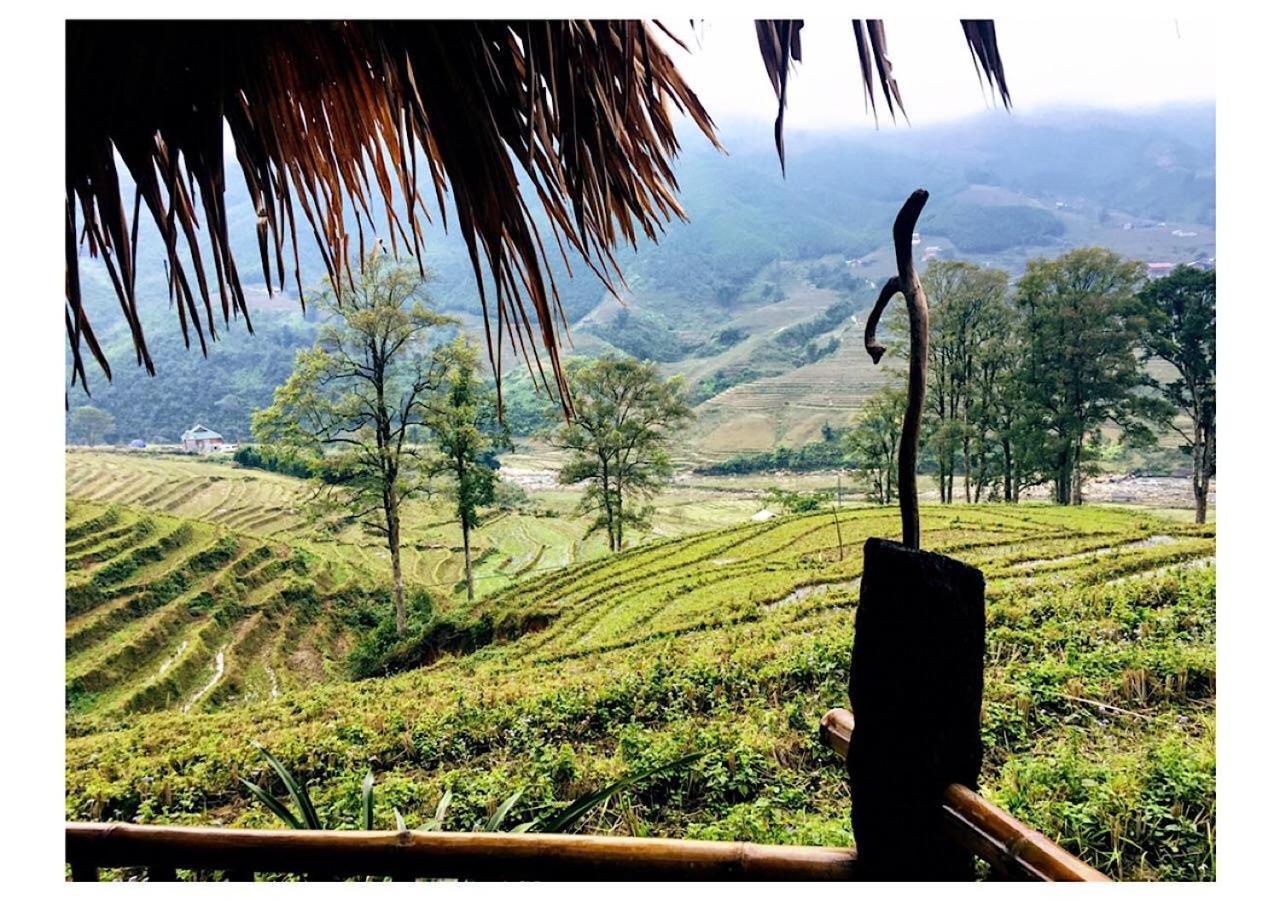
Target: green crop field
189, 640
541, 534
168, 613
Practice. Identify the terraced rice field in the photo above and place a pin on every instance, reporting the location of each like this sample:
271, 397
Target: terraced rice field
1098, 719
508, 545
790, 408
168, 613
256, 502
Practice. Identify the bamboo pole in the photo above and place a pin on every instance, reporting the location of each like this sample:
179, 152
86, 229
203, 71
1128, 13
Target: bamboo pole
475, 856
1010, 847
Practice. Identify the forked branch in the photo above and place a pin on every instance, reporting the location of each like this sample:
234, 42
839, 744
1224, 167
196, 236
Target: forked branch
908, 284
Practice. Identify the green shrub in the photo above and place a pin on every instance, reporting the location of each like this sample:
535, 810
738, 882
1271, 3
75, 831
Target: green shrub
284, 460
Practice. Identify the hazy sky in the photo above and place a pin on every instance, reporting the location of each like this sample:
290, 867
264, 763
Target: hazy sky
1120, 62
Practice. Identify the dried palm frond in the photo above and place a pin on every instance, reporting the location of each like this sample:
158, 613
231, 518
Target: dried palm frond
980, 34
780, 46
880, 53
327, 116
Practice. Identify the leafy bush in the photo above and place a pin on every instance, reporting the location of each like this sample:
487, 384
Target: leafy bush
834, 316
551, 821
644, 335
721, 381
284, 460
817, 456
380, 647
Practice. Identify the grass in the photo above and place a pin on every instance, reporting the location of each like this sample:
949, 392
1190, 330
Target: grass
1098, 718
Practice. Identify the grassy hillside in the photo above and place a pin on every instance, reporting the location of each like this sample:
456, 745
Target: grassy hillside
1098, 721
168, 613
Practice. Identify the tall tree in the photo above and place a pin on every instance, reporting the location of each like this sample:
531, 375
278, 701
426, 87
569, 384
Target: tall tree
969, 322
1080, 362
995, 347
90, 425
941, 281
359, 394
872, 442
1180, 313
619, 433
465, 428
1014, 432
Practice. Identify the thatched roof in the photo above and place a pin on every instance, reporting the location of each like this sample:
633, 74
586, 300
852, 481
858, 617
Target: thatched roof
327, 116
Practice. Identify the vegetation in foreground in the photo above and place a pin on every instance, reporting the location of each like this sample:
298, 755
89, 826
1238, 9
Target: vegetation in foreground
1098, 721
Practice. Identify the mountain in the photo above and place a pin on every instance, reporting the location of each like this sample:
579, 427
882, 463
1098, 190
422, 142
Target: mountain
752, 298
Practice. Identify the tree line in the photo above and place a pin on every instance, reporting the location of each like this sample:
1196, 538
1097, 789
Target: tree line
1026, 377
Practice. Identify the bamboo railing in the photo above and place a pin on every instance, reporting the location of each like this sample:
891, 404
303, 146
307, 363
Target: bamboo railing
415, 854
1012, 849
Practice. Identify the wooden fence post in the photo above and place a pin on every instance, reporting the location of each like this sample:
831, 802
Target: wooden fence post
915, 688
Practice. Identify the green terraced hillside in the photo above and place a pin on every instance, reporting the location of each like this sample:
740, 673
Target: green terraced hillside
544, 533
167, 613
1098, 720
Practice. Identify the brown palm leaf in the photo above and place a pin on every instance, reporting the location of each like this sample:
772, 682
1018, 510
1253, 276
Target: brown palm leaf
777, 36
325, 116
980, 35
779, 46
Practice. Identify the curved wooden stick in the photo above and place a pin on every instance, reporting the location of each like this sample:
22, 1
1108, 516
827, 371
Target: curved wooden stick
874, 348
908, 284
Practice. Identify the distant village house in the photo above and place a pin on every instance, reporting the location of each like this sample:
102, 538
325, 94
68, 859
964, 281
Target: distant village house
201, 440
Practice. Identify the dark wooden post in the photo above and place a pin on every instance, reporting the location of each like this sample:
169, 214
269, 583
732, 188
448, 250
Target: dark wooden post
915, 688
81, 871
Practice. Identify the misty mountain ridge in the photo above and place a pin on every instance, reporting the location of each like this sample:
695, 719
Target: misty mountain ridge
760, 252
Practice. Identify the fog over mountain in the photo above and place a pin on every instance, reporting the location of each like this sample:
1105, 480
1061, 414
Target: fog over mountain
760, 253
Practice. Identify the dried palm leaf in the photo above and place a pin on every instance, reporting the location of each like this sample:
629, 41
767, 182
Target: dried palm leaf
779, 46
980, 35
778, 36
325, 117
879, 52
